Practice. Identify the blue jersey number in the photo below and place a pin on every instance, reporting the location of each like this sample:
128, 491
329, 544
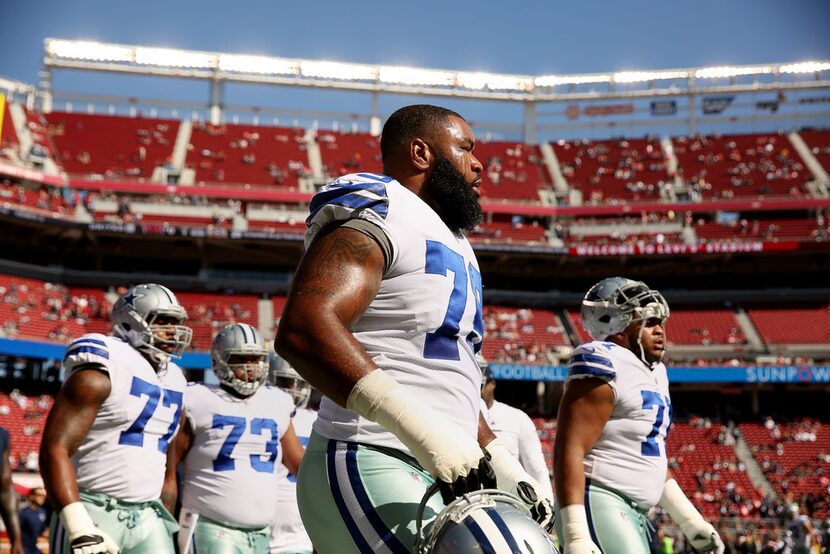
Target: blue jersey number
224, 460
442, 344
134, 435
171, 398
651, 399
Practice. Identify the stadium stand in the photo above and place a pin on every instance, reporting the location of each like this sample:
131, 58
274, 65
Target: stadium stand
809, 324
248, 155
819, 143
729, 166
109, 145
344, 153
702, 458
613, 170
512, 171
24, 417
795, 458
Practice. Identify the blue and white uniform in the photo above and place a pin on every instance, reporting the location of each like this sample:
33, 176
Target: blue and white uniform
359, 487
122, 458
288, 534
230, 471
625, 470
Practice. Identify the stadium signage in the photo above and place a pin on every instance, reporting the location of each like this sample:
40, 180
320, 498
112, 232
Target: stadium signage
716, 104
609, 109
666, 249
664, 107
740, 374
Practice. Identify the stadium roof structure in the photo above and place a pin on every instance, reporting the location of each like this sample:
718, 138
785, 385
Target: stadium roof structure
529, 90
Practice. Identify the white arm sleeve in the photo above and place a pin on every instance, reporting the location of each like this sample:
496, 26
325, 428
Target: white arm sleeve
532, 458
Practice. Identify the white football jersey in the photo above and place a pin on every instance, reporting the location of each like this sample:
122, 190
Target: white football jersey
230, 469
516, 430
124, 454
287, 532
425, 324
630, 453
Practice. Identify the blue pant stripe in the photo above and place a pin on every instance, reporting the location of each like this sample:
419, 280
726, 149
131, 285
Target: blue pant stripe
483, 541
505, 530
588, 513
386, 534
357, 537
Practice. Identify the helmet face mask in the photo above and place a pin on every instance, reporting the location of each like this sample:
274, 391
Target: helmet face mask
239, 358
282, 375
134, 319
613, 304
480, 520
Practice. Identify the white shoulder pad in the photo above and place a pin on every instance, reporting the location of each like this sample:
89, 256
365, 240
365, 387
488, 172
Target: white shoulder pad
592, 359
356, 196
89, 349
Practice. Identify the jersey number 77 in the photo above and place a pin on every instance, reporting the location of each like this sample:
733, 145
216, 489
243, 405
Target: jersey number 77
442, 344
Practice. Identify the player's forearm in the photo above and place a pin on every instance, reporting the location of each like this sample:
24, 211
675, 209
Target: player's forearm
58, 477
8, 509
485, 434
170, 494
569, 474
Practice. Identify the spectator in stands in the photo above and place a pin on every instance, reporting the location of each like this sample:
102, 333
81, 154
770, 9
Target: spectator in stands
34, 520
8, 496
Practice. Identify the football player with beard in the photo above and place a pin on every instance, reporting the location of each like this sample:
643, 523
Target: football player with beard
384, 318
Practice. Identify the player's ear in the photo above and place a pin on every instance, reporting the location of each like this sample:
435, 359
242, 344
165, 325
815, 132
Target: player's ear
420, 154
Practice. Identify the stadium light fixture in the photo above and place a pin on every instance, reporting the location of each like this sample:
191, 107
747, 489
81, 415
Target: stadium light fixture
85, 50
169, 57
338, 70
415, 76
263, 65
642, 76
804, 67
556, 80
729, 71
493, 81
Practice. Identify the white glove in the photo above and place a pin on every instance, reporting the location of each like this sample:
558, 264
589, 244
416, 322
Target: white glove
701, 534
512, 477
84, 536
446, 451
576, 537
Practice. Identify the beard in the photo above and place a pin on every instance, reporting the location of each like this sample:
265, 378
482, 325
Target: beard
454, 197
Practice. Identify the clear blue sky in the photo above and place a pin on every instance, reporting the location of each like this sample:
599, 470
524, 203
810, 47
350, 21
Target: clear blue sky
540, 37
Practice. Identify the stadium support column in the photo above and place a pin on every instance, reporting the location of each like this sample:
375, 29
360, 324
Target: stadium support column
374, 120
45, 91
529, 126
692, 115
215, 102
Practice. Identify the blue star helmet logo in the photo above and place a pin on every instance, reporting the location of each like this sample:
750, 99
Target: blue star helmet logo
131, 297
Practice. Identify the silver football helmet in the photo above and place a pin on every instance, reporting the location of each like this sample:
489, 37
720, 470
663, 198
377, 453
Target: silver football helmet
134, 317
282, 375
488, 520
240, 340
614, 303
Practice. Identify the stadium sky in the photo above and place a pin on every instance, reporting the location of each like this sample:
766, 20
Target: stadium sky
540, 37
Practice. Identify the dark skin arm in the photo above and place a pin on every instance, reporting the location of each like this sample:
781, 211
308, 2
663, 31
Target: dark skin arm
8, 503
485, 434
583, 413
292, 450
336, 280
176, 451
68, 423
